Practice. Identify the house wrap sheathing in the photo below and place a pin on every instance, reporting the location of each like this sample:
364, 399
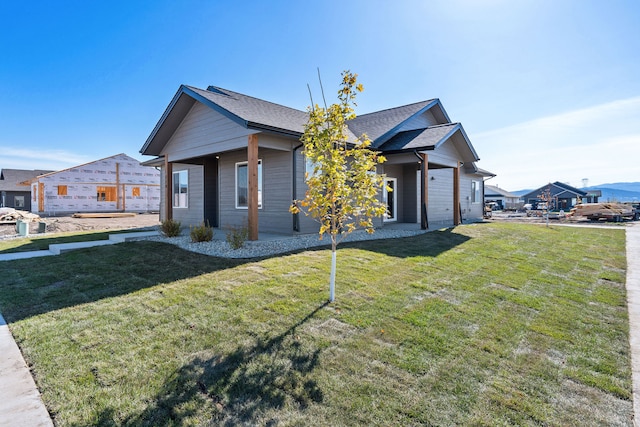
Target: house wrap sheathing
115, 184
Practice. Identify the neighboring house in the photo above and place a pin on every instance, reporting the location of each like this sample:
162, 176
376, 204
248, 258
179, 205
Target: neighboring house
502, 198
231, 160
563, 196
115, 184
15, 191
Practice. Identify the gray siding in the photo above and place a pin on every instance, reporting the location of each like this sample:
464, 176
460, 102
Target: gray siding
422, 121
440, 210
202, 132
274, 216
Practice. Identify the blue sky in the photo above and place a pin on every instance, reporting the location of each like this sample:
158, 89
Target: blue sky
547, 90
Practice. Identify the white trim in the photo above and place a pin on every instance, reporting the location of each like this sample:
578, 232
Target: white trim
260, 201
173, 194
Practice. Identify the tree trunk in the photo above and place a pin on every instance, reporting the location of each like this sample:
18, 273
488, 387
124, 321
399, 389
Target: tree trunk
332, 283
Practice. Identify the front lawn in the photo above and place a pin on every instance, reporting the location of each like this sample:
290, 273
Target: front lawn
487, 324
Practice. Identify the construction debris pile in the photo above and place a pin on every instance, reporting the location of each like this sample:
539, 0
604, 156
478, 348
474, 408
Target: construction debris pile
11, 216
605, 211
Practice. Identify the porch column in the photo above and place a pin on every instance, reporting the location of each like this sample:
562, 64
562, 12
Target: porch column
168, 179
424, 196
456, 195
252, 202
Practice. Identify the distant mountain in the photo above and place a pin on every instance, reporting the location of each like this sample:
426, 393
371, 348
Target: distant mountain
625, 186
613, 192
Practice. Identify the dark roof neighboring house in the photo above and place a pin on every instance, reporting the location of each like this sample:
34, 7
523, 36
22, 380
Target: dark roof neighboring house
18, 179
556, 189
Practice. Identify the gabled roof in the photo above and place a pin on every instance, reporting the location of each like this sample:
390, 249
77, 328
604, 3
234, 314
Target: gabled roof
247, 111
430, 139
129, 158
381, 125
14, 179
492, 190
384, 128
557, 189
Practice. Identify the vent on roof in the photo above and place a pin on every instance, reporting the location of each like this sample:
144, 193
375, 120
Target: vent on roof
216, 90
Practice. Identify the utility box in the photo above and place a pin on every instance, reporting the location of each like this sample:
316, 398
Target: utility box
22, 228
42, 227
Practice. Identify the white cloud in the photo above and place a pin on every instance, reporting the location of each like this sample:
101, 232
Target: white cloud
600, 143
21, 158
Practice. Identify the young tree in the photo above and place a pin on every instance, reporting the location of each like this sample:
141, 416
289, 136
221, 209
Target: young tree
343, 186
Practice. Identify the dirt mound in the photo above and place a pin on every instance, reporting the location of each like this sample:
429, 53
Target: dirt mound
63, 224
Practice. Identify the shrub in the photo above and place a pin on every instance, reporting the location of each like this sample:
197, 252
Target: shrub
237, 235
170, 227
201, 233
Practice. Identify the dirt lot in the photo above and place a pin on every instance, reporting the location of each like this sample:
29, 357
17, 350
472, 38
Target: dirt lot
61, 224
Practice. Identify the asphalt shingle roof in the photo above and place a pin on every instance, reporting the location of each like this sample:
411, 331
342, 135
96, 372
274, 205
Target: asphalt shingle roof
419, 138
378, 123
256, 111
11, 179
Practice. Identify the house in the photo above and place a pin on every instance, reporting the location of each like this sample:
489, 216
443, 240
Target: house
501, 197
15, 191
562, 196
230, 159
114, 184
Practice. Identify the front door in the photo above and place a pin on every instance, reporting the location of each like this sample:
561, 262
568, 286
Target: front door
390, 199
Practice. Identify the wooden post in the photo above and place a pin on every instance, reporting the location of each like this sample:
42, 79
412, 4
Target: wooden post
456, 195
168, 191
252, 202
118, 186
424, 197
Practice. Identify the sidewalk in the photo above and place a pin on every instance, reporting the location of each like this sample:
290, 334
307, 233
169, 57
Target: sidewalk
633, 304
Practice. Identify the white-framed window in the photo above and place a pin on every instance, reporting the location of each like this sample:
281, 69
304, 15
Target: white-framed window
242, 185
181, 189
476, 191
310, 168
389, 197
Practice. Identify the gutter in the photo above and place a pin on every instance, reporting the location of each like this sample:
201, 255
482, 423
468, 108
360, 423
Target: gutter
296, 219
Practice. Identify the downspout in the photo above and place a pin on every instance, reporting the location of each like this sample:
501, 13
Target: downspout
424, 221
296, 219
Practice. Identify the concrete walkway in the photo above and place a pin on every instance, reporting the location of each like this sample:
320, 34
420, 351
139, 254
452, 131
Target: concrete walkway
633, 304
21, 405
57, 249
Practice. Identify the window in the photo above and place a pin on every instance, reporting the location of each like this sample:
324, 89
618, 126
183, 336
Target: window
309, 168
18, 201
62, 190
106, 194
135, 191
242, 185
475, 192
181, 189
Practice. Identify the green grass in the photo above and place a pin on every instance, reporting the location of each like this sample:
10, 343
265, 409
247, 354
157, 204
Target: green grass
488, 324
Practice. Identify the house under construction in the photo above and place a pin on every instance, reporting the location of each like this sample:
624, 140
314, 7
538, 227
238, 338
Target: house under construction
115, 184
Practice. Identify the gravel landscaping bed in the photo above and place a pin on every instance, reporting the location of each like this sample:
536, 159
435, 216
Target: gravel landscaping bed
274, 245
